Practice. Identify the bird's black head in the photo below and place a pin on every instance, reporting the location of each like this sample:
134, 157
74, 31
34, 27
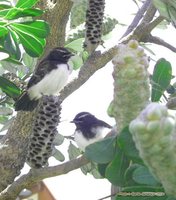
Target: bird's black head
60, 54
85, 120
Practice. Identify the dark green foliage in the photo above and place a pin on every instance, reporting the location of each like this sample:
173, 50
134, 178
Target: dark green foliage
103, 151
9, 88
107, 26
161, 78
78, 13
23, 29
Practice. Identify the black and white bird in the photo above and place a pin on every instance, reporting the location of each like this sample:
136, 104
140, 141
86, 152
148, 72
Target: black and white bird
50, 77
89, 129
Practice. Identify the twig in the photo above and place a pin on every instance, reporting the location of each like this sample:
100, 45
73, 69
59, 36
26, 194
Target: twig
159, 41
154, 23
35, 175
148, 17
137, 18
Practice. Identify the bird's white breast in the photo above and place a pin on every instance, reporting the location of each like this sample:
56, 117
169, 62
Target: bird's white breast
52, 83
83, 142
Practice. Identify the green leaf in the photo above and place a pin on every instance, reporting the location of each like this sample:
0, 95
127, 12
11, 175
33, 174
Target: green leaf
73, 151
4, 12
32, 45
142, 175
38, 28
115, 172
26, 3
3, 31
102, 151
9, 88
76, 45
129, 174
58, 155
58, 140
166, 9
12, 46
162, 8
76, 62
127, 144
15, 13
161, 78
4, 6
102, 169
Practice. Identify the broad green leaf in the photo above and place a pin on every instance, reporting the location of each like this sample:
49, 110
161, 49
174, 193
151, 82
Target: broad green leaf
73, 151
26, 3
4, 12
162, 8
12, 46
167, 9
9, 88
3, 31
127, 144
102, 169
142, 175
161, 78
76, 62
76, 45
37, 28
115, 171
4, 6
101, 151
58, 140
15, 13
32, 45
86, 168
129, 174
58, 155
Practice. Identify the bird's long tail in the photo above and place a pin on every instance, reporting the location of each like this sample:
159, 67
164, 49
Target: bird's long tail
24, 103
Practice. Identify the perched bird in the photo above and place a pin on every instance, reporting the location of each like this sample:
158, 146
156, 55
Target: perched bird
50, 77
89, 129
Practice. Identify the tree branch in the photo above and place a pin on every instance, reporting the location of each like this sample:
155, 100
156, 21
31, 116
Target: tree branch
159, 41
137, 18
35, 175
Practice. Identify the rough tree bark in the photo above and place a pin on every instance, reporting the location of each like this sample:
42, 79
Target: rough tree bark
13, 153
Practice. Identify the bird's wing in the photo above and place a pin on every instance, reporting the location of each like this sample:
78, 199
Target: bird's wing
105, 124
42, 69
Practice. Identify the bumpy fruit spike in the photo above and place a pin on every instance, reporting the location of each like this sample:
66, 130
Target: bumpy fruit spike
131, 83
154, 135
44, 132
94, 21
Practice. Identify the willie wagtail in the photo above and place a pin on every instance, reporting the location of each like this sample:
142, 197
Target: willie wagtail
89, 129
49, 78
